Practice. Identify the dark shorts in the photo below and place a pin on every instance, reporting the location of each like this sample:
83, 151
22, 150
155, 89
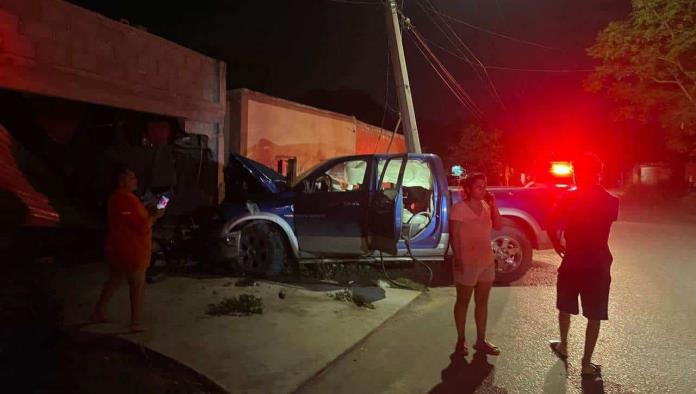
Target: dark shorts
591, 286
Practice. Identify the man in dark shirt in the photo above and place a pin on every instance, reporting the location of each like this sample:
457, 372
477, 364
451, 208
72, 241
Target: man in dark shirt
584, 215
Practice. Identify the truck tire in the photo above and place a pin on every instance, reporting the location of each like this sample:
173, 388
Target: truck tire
262, 251
513, 252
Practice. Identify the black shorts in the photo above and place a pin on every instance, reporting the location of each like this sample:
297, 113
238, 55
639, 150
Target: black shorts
591, 286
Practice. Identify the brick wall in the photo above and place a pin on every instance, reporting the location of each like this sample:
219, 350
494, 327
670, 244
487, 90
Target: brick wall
54, 48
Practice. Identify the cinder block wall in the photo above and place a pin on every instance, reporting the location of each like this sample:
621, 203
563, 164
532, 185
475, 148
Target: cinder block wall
55, 48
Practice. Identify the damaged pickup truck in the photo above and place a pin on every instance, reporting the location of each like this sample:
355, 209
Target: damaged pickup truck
363, 209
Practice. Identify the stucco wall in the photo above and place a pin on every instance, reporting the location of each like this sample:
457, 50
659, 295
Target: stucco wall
266, 128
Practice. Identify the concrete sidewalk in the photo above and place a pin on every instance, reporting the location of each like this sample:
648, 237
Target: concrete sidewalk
273, 352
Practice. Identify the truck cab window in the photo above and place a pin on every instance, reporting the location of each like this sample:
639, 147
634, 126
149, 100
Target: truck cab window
346, 176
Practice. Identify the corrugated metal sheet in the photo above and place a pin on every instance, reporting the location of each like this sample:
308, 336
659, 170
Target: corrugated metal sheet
12, 179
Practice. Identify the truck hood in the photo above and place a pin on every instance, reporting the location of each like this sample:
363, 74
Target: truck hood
265, 177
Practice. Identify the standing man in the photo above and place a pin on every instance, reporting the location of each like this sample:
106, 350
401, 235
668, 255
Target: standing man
585, 215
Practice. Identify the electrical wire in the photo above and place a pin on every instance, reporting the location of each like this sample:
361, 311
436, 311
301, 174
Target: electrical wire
494, 33
505, 68
451, 83
491, 84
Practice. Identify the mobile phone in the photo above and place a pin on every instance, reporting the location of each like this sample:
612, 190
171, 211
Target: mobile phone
163, 201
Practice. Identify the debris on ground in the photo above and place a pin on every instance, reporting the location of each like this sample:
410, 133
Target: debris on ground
281, 294
244, 305
347, 295
246, 282
410, 284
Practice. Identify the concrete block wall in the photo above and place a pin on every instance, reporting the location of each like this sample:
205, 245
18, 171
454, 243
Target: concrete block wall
51, 47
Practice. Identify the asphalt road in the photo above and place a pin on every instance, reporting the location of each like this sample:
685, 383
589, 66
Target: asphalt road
648, 345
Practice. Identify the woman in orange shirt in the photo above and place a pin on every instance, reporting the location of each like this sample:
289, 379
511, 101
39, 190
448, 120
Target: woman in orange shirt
128, 245
471, 222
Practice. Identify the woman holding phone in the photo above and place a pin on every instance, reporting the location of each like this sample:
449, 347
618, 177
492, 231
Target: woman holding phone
128, 245
471, 223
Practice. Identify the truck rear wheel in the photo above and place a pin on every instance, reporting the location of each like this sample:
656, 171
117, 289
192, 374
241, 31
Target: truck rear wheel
513, 253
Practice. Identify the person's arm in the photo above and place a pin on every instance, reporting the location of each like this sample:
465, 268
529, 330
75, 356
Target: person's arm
139, 218
496, 219
455, 230
553, 225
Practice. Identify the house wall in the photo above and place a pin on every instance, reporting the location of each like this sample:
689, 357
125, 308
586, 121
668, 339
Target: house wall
266, 129
53, 48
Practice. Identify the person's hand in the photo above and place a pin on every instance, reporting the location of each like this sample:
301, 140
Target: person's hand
560, 250
154, 212
158, 213
489, 198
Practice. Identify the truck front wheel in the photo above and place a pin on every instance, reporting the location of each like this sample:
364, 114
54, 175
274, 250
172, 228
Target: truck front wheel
261, 250
512, 251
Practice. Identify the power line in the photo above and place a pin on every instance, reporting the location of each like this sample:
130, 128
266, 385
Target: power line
449, 81
506, 68
494, 33
491, 85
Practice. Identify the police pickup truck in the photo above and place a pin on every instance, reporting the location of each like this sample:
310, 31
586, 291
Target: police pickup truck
365, 208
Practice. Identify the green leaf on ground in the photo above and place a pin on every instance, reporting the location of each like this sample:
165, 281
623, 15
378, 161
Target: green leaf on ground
244, 305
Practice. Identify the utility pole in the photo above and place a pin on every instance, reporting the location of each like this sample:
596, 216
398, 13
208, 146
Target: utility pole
403, 88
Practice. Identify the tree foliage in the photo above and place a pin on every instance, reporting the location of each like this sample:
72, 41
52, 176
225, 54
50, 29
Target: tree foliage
648, 64
477, 149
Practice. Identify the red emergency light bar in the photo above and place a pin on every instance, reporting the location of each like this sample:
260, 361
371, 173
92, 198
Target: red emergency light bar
561, 168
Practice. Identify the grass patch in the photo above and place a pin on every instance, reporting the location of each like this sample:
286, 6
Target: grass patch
244, 305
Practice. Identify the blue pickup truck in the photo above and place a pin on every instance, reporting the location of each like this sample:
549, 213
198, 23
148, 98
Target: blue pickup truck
363, 209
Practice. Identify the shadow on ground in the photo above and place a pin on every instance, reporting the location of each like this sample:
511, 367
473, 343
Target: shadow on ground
462, 376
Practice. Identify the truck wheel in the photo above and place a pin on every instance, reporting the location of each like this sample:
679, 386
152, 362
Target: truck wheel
512, 251
261, 250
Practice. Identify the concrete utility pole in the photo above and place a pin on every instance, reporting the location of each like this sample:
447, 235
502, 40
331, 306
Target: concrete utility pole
403, 88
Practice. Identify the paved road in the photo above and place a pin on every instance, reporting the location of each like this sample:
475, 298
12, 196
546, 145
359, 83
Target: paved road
648, 346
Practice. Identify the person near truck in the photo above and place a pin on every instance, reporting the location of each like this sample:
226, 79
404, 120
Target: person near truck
128, 246
471, 222
584, 215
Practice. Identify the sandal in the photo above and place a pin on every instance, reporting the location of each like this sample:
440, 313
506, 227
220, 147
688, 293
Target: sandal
554, 348
487, 348
596, 373
461, 348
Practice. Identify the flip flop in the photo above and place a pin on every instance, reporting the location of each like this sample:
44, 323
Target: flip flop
554, 348
596, 373
461, 348
487, 348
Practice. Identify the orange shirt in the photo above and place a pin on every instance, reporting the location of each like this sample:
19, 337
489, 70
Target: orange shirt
474, 236
129, 242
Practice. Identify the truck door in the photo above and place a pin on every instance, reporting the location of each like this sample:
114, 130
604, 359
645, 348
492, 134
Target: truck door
331, 209
386, 205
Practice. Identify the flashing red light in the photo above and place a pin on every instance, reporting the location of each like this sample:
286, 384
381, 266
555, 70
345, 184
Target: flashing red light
561, 168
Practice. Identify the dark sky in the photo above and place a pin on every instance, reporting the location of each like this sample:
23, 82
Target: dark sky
334, 55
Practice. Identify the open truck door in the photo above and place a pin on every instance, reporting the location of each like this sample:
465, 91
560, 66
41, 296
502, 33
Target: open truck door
331, 209
384, 220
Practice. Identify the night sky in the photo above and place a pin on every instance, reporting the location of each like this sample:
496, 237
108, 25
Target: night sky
333, 55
